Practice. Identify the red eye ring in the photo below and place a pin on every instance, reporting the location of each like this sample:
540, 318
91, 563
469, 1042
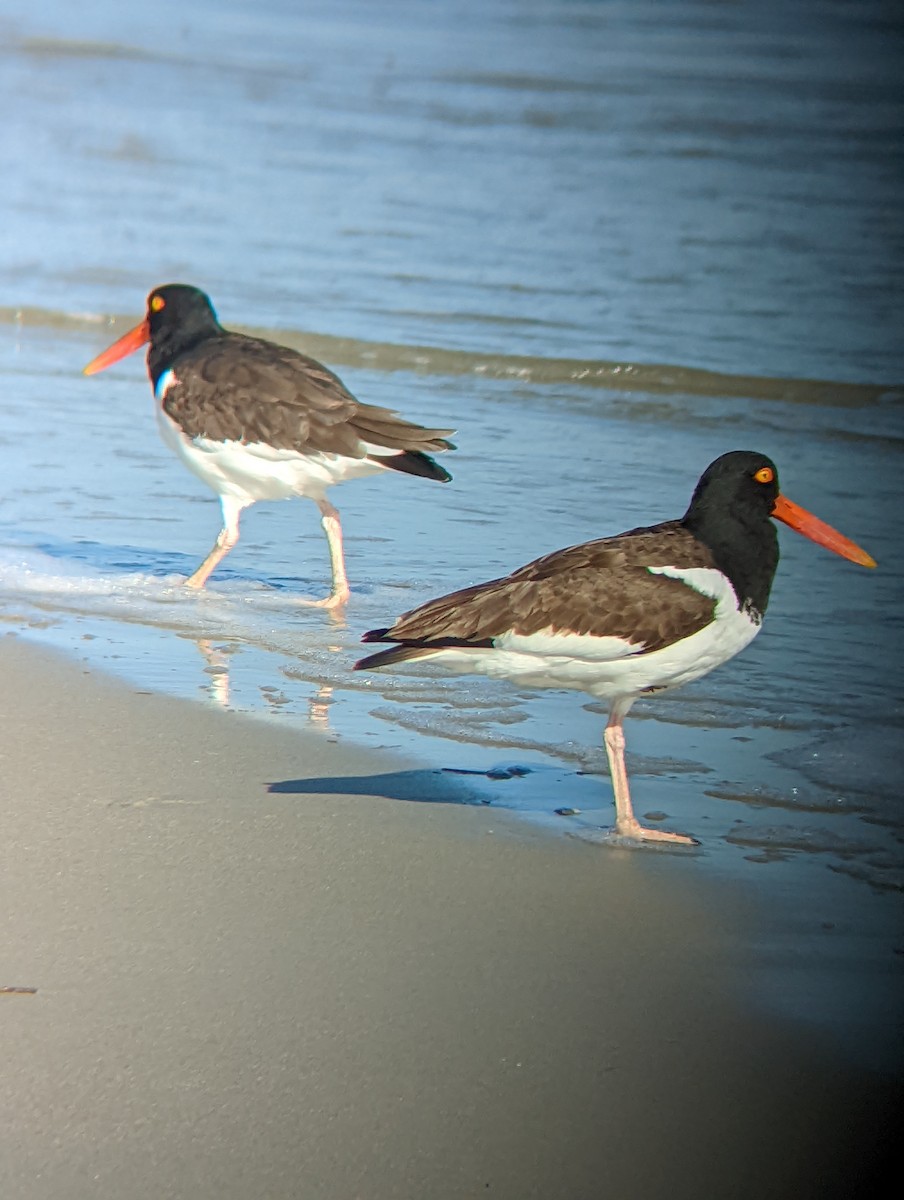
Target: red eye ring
157, 302
764, 475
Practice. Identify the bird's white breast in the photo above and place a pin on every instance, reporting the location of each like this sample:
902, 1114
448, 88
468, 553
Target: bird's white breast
255, 470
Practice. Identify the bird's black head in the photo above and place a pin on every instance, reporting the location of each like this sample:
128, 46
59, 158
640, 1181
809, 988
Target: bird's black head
178, 317
179, 304
729, 512
741, 484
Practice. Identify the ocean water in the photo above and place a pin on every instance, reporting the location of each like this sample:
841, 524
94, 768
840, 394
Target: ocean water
605, 241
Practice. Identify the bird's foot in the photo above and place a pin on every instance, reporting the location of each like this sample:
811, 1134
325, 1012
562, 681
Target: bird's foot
630, 832
335, 602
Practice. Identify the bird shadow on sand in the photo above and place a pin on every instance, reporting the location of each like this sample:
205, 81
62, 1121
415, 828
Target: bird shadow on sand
422, 786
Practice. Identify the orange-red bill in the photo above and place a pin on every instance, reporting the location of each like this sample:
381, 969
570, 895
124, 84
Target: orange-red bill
818, 531
127, 344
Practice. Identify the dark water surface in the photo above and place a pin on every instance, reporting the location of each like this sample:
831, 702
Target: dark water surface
698, 184
607, 242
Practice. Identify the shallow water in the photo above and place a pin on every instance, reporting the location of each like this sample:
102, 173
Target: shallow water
607, 242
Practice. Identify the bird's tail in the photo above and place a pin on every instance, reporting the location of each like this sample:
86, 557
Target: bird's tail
413, 462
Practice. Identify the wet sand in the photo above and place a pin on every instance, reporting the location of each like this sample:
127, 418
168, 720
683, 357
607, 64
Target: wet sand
249, 988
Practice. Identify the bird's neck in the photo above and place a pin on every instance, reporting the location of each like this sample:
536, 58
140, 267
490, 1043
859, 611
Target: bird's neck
168, 344
745, 552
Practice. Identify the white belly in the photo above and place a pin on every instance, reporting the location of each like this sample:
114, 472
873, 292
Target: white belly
256, 471
611, 668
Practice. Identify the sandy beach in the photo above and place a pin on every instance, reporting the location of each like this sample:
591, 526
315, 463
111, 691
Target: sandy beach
258, 971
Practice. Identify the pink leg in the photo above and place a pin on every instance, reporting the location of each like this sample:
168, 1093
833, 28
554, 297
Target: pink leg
332, 527
626, 824
227, 538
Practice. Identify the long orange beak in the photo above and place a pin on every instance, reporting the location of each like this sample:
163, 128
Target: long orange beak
818, 531
127, 344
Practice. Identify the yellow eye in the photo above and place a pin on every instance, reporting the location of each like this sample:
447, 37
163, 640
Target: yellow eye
764, 475
157, 302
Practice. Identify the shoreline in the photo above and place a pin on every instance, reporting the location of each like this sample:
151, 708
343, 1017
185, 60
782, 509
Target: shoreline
247, 988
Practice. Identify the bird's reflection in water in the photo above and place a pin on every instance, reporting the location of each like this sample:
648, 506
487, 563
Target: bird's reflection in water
217, 657
319, 707
320, 701
217, 669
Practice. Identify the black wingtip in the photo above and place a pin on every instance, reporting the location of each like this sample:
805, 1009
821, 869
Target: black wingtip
385, 658
372, 635
413, 462
375, 635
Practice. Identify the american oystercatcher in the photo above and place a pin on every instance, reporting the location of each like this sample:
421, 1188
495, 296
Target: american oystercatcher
258, 421
625, 616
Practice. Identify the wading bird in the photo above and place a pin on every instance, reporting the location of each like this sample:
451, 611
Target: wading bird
624, 616
258, 421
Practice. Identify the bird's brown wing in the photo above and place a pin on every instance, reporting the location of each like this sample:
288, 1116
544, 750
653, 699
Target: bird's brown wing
603, 588
244, 389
